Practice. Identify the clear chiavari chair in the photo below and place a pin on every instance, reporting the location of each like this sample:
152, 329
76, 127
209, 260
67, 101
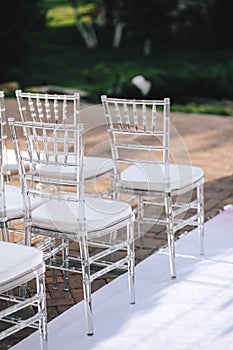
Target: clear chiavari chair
165, 192
11, 200
66, 214
62, 108
20, 265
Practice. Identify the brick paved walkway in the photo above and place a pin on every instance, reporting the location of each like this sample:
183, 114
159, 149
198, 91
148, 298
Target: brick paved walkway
206, 141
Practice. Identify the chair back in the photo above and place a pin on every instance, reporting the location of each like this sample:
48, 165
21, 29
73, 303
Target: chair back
139, 132
48, 108
2, 150
3, 134
52, 152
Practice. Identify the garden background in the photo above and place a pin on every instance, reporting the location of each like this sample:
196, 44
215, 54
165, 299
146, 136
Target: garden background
183, 47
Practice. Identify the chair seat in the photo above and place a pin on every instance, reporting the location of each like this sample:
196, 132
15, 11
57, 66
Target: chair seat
17, 261
93, 167
62, 216
150, 177
14, 202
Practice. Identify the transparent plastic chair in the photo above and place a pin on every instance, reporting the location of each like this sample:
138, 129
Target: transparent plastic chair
163, 191
20, 265
11, 200
62, 108
85, 223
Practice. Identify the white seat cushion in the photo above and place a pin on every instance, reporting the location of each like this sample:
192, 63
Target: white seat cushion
151, 177
63, 216
17, 260
93, 166
14, 202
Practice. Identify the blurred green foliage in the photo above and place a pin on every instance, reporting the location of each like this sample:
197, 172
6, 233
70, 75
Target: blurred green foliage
55, 54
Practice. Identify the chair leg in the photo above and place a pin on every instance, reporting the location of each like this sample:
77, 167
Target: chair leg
200, 210
5, 232
131, 262
28, 231
115, 191
42, 310
86, 275
54, 278
53, 270
23, 290
65, 255
113, 236
170, 234
112, 191
54, 273
140, 223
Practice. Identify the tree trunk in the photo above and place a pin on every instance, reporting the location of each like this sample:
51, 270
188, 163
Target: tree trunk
117, 35
87, 31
